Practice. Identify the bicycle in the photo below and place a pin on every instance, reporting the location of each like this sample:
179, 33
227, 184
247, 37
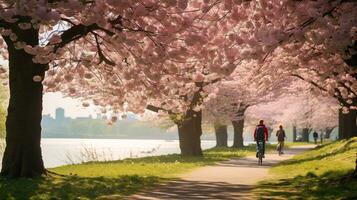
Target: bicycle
260, 153
279, 149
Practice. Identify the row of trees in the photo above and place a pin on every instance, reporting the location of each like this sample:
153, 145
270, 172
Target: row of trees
297, 110
170, 57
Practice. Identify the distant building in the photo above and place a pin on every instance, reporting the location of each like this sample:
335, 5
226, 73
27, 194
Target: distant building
60, 115
47, 120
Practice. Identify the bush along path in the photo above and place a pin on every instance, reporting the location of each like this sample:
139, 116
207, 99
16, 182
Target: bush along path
233, 179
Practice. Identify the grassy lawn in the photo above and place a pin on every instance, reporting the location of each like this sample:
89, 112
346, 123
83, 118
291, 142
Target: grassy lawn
291, 144
113, 180
321, 173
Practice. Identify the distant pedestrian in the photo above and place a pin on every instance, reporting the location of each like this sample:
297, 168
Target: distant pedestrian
322, 137
316, 135
280, 134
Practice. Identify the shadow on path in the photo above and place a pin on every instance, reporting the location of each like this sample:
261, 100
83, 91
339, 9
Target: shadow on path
184, 189
233, 179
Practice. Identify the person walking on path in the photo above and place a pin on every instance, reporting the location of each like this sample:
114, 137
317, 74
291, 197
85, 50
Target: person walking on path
315, 136
261, 135
280, 134
322, 137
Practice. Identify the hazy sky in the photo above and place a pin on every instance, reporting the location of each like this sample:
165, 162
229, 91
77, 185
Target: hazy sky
73, 108
51, 101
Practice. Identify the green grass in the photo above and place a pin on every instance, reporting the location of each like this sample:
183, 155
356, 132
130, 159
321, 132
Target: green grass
167, 166
322, 173
113, 180
291, 144
74, 187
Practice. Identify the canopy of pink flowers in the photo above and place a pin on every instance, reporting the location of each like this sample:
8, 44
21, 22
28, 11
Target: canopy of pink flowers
149, 52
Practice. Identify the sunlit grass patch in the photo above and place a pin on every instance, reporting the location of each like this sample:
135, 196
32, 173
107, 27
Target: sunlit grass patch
166, 166
322, 173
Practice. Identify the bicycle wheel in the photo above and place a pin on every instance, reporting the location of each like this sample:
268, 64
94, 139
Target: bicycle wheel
260, 160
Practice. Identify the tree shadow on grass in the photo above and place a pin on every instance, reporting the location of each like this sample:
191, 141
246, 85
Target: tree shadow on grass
330, 185
74, 187
190, 190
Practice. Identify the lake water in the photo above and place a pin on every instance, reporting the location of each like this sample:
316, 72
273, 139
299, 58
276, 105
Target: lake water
58, 151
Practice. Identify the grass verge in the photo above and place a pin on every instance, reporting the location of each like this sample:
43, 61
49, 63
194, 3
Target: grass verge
115, 179
322, 173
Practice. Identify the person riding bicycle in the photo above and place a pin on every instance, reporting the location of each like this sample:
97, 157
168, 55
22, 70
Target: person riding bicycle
280, 134
261, 135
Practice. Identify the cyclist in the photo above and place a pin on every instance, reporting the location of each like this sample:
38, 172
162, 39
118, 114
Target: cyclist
280, 134
261, 135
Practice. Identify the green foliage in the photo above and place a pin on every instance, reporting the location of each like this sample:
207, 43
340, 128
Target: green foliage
322, 173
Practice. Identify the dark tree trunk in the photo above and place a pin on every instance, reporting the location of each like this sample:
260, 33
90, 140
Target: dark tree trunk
294, 133
22, 156
190, 132
328, 132
305, 134
347, 123
221, 135
238, 127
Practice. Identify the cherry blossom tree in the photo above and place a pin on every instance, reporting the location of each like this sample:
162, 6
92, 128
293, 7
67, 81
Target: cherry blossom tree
321, 50
299, 109
244, 88
311, 40
162, 55
82, 43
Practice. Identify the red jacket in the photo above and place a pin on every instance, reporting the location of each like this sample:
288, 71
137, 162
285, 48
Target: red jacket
265, 132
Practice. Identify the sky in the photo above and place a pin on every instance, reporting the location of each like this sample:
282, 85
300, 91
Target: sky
73, 107
51, 101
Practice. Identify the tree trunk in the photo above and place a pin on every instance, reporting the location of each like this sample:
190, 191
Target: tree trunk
305, 135
22, 156
347, 124
221, 135
328, 132
238, 127
190, 132
270, 132
294, 133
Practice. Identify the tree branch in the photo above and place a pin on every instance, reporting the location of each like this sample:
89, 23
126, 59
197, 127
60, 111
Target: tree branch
101, 55
77, 31
339, 98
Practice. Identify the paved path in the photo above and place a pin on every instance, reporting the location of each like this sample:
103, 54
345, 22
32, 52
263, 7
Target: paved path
232, 179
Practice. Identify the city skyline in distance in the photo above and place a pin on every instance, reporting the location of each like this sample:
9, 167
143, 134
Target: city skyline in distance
73, 107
